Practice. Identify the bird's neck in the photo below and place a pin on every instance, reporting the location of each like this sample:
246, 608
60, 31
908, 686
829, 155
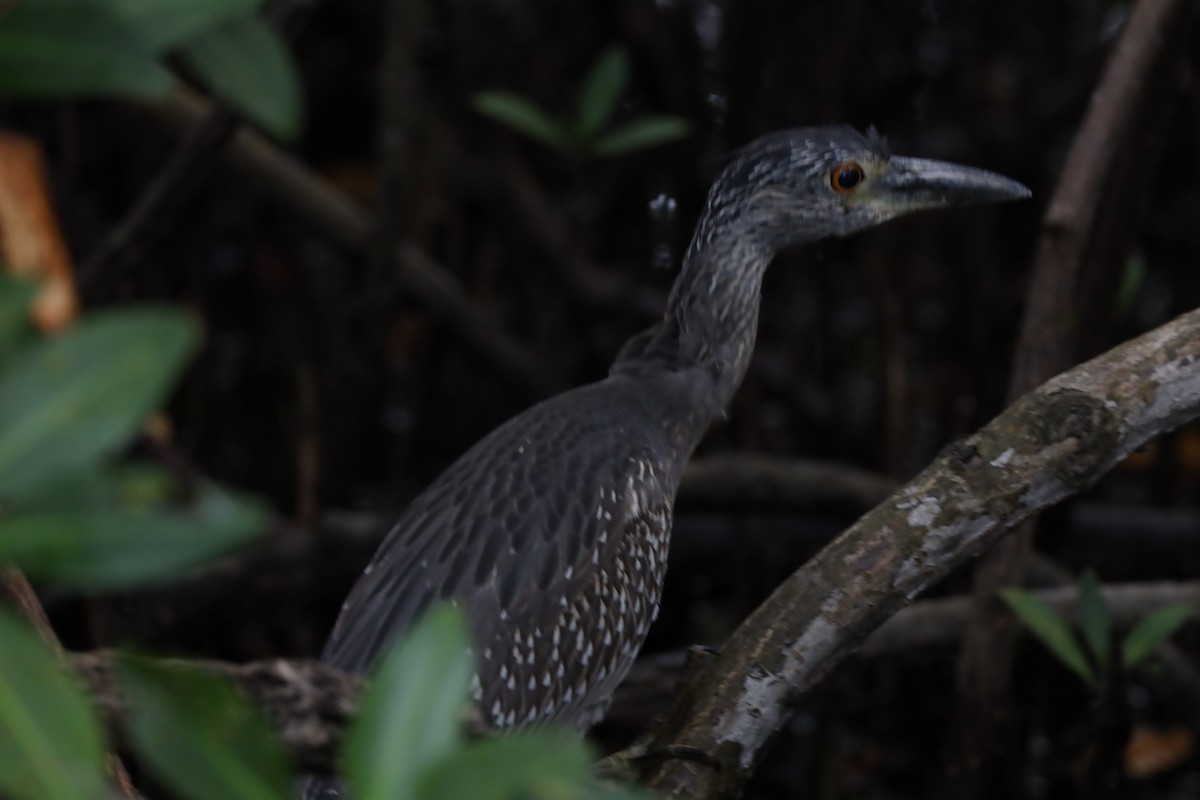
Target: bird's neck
705, 339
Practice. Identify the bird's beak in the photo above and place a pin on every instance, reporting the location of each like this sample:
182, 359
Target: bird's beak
911, 184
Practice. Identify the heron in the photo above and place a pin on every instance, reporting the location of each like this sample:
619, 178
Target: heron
551, 533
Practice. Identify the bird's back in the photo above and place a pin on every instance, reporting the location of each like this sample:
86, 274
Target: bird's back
552, 534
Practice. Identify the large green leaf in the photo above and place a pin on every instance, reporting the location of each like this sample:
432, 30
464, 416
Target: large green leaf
51, 747
105, 549
1151, 631
129, 488
73, 399
55, 49
162, 24
602, 90
525, 116
1051, 629
199, 737
1094, 619
246, 63
640, 133
536, 765
411, 716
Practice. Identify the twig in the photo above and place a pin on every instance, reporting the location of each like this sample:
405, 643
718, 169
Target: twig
1097, 200
730, 482
293, 185
185, 170
1052, 443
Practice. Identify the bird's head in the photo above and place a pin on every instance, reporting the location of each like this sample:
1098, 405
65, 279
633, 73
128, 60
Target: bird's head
802, 185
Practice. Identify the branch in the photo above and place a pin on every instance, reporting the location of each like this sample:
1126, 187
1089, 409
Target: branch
928, 624
310, 703
1086, 233
1052, 443
767, 482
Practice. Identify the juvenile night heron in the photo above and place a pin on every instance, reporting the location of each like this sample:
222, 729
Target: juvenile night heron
551, 532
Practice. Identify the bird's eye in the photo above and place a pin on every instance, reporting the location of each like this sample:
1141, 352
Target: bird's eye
845, 177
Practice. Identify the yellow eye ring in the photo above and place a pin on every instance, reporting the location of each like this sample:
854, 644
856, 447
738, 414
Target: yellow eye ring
846, 177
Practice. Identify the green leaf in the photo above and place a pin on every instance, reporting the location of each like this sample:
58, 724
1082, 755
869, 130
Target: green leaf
108, 549
51, 744
245, 62
15, 299
163, 24
534, 765
60, 49
1094, 619
199, 737
1133, 279
641, 133
125, 487
1151, 631
522, 115
71, 400
602, 90
412, 713
1051, 629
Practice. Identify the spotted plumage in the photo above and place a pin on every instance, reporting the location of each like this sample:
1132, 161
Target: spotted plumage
552, 532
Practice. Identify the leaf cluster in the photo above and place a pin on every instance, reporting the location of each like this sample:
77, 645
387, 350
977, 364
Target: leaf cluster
73, 516
586, 134
1088, 650
88, 48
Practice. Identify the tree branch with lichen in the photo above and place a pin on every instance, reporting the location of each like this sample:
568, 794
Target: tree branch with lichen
1052, 443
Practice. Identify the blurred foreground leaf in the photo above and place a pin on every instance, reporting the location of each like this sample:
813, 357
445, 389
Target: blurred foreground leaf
162, 24
51, 746
1051, 629
110, 549
15, 299
245, 62
533, 765
73, 47
199, 737
411, 716
68, 401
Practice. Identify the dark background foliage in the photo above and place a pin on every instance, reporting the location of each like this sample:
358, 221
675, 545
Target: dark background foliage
327, 389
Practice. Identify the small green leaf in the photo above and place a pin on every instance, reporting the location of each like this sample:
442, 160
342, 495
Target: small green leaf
71, 400
200, 737
245, 62
1151, 631
1051, 629
602, 90
15, 299
51, 745
522, 115
534, 765
641, 133
74, 48
162, 24
126, 548
1133, 278
1093, 618
411, 715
